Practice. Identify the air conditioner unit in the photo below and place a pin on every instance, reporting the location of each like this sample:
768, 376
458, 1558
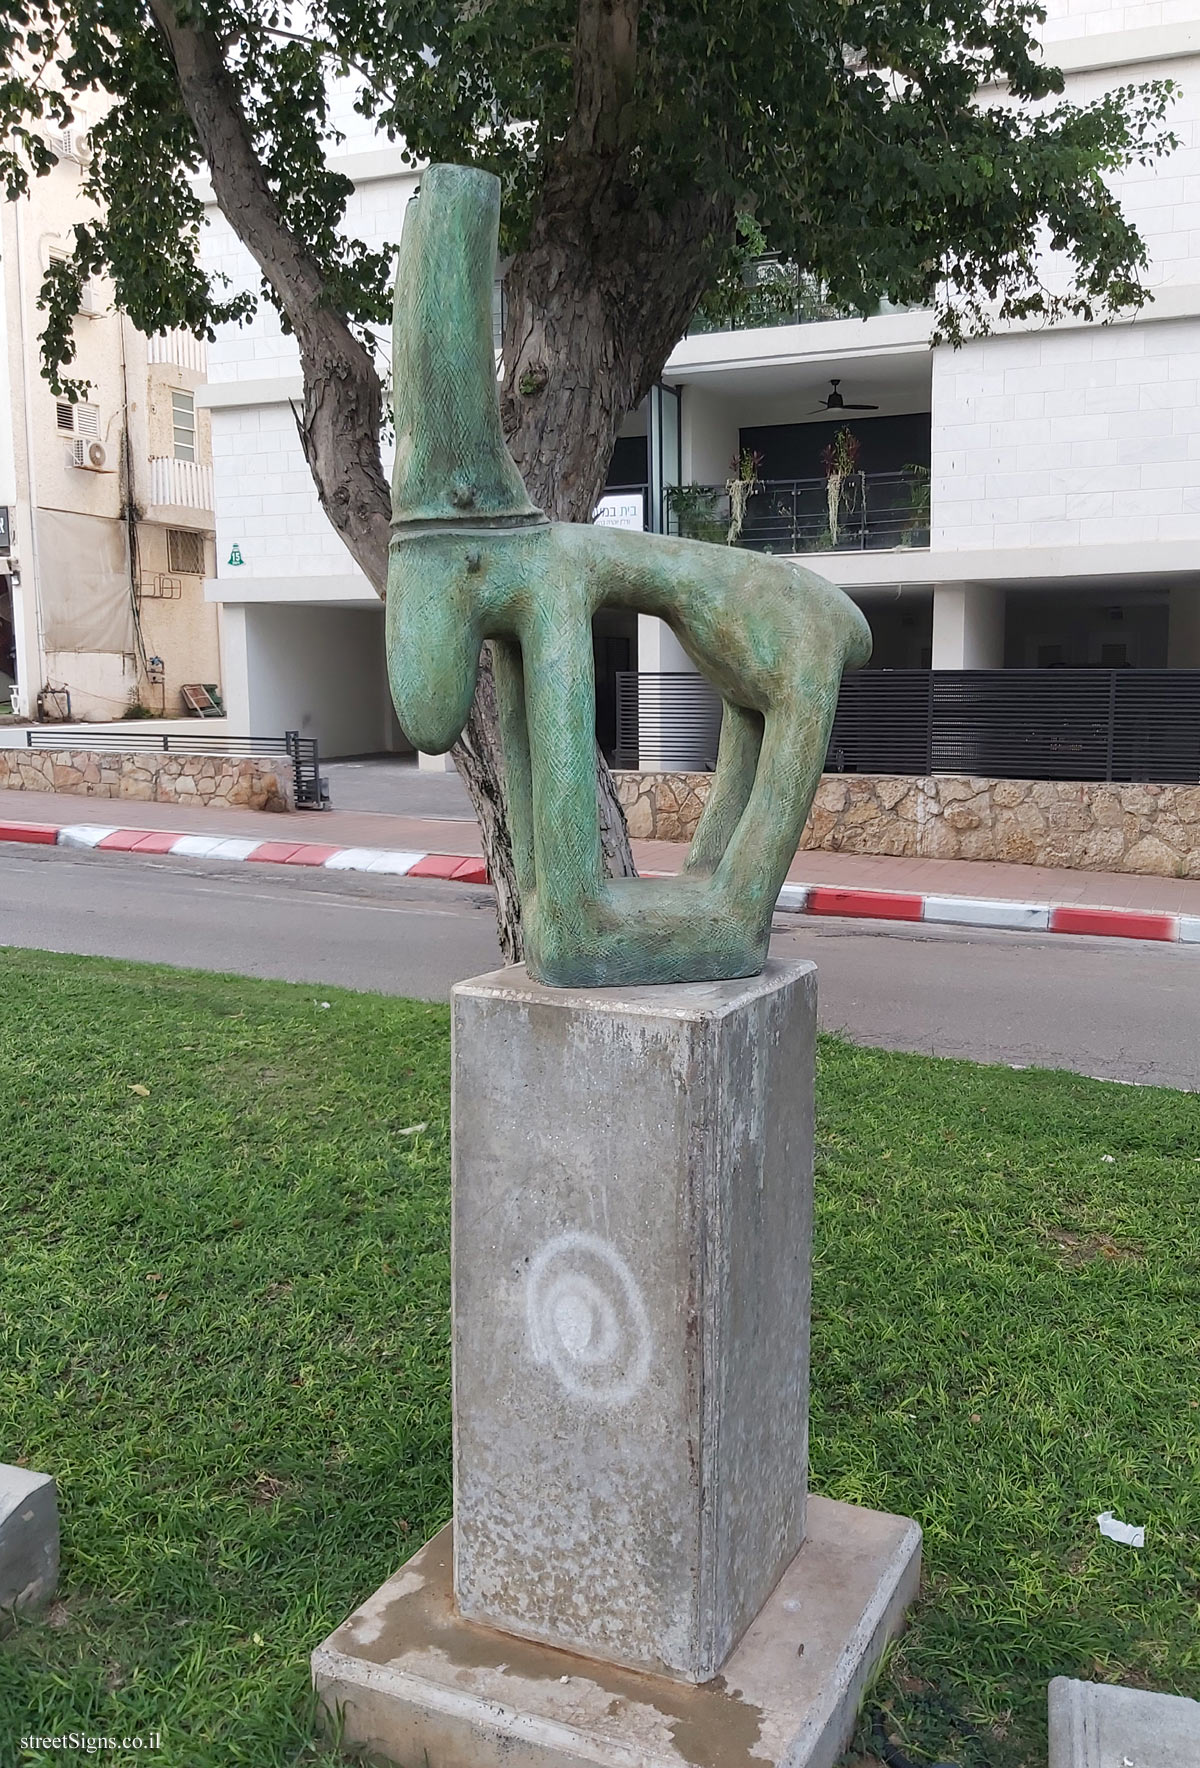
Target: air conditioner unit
72, 144
92, 456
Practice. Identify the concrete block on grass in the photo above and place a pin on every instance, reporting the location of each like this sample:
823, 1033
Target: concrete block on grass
1097, 1725
28, 1538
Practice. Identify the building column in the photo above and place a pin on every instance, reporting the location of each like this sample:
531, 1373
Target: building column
968, 626
1183, 630
234, 640
663, 450
31, 666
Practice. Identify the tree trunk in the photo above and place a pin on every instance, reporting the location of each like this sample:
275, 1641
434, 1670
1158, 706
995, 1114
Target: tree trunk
593, 307
595, 304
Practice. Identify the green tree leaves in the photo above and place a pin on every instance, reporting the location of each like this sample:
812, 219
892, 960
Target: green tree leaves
910, 150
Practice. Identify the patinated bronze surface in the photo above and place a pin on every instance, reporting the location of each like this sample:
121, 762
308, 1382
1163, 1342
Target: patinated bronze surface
472, 560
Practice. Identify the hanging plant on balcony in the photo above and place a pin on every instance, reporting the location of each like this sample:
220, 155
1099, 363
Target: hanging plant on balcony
840, 460
741, 486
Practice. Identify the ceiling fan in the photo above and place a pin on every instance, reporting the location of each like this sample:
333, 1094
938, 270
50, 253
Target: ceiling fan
834, 402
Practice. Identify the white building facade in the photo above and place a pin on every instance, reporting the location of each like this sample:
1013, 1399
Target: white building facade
1029, 502
301, 628
105, 502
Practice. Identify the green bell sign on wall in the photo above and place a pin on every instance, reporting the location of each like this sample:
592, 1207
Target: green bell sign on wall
235, 557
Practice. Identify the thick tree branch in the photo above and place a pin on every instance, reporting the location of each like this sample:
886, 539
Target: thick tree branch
604, 65
343, 401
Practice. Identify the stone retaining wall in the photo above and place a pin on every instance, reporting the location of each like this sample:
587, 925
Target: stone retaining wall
244, 783
1072, 823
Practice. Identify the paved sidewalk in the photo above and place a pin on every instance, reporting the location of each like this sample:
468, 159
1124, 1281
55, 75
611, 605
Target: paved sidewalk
377, 829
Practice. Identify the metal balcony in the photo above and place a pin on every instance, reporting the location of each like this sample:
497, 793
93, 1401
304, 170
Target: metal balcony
775, 292
873, 511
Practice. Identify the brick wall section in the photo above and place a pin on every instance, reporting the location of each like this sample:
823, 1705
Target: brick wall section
1094, 827
250, 783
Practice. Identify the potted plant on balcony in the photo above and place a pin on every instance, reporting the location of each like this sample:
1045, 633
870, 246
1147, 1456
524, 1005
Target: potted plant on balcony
741, 486
693, 509
916, 530
840, 460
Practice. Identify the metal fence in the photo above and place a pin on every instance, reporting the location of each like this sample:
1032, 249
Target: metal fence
872, 512
1021, 724
668, 721
311, 793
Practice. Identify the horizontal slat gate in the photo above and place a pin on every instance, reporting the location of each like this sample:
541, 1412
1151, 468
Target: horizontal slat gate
1021, 724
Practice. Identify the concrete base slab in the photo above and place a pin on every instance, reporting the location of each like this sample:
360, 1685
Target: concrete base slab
1096, 1725
28, 1538
412, 1681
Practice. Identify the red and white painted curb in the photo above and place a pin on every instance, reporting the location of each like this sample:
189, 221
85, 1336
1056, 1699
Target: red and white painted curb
459, 867
980, 911
796, 899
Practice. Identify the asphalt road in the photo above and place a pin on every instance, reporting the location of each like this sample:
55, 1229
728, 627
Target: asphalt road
1121, 1009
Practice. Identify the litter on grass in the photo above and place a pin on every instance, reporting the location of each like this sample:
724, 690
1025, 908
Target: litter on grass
1124, 1532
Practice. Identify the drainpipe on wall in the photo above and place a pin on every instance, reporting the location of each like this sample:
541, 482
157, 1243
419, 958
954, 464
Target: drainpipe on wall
130, 509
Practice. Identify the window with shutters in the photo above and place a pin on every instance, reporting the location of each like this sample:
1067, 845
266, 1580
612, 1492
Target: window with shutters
77, 419
183, 422
185, 552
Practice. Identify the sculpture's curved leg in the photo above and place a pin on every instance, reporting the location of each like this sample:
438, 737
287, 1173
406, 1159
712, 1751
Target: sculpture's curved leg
568, 865
764, 843
508, 674
737, 760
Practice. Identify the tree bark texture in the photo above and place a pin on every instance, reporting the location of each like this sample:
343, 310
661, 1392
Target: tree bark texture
595, 303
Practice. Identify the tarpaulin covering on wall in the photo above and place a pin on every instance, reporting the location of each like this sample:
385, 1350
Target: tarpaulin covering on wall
84, 570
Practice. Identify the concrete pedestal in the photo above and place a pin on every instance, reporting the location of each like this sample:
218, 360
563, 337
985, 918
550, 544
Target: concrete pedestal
632, 1218
631, 1579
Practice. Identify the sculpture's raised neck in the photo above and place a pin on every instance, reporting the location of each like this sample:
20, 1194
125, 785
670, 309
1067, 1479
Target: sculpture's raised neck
452, 465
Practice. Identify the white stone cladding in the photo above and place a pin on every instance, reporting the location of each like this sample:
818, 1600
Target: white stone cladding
1089, 435
1094, 18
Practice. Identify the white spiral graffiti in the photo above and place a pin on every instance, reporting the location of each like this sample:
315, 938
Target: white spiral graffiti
587, 1319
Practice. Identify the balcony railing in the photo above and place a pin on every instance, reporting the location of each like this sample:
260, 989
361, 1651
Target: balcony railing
872, 511
178, 349
1017, 724
775, 292
187, 484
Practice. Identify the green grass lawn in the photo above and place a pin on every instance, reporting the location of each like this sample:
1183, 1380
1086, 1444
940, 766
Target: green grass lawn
223, 1325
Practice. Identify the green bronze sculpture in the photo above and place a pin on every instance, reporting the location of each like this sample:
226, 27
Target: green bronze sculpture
472, 559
